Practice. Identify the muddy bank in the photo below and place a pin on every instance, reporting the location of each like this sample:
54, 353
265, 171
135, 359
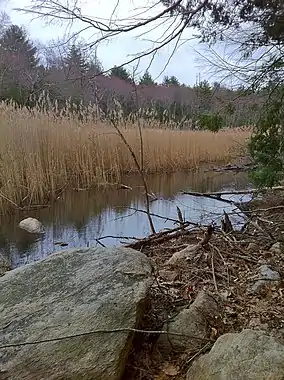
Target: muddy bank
243, 270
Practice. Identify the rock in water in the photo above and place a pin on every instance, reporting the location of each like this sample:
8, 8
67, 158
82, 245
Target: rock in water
31, 225
72, 292
249, 355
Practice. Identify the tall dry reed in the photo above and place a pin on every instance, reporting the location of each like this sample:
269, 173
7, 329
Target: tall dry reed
40, 153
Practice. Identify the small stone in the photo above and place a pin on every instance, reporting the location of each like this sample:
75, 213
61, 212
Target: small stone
168, 275
276, 248
267, 273
265, 277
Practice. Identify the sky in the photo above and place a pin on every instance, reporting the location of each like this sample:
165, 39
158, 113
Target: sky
184, 64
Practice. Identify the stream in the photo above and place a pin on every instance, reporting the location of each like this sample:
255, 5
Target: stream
79, 218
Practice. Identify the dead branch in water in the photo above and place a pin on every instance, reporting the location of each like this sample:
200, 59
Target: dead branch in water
161, 237
218, 194
166, 218
226, 224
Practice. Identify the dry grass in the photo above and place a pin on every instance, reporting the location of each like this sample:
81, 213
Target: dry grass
40, 153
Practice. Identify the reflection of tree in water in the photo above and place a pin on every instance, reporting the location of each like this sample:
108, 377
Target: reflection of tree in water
25, 242
81, 217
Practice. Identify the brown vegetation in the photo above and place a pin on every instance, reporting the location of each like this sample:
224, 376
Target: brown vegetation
40, 154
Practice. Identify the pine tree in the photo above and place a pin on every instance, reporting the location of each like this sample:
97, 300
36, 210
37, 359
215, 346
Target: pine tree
120, 72
15, 42
146, 79
172, 80
75, 61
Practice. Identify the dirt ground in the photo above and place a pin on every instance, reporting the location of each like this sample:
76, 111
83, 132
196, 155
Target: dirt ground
226, 267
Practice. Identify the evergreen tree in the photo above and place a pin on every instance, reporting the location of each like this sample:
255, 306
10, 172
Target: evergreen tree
172, 80
120, 72
75, 61
18, 65
16, 44
146, 79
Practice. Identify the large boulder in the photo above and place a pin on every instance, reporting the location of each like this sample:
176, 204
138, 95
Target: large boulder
72, 292
249, 355
31, 225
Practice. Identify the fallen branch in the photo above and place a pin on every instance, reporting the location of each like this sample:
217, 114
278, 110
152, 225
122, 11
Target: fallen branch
160, 237
189, 251
234, 192
215, 196
166, 218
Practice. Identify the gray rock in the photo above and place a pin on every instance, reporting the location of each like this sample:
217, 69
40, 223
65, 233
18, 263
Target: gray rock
276, 248
72, 292
193, 323
266, 276
249, 355
5, 265
32, 226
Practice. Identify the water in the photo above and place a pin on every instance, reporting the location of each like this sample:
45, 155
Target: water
80, 218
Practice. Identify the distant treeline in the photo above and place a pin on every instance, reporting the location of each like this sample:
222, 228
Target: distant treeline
53, 77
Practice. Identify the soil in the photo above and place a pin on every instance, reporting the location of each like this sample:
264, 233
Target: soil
225, 267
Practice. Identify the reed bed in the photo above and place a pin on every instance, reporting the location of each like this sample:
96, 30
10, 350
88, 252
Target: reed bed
41, 153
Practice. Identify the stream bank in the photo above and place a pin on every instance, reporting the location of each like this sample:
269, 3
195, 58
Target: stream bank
241, 270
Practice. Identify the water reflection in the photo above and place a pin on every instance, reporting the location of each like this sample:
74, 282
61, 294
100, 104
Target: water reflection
79, 218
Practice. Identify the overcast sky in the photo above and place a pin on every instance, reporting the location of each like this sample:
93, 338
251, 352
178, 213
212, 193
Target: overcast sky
184, 64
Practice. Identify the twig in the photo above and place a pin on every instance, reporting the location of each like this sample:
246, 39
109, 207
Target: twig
164, 217
235, 192
160, 237
117, 237
215, 196
213, 271
140, 170
100, 243
198, 352
100, 331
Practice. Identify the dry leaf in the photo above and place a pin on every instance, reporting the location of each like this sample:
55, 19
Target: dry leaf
170, 369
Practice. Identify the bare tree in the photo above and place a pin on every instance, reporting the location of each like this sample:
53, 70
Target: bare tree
256, 28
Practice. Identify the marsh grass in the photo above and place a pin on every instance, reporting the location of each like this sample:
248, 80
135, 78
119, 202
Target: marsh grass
41, 153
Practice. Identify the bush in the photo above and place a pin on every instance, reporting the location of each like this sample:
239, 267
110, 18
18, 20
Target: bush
210, 121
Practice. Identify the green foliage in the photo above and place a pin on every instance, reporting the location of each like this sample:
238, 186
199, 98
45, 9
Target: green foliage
172, 80
267, 143
210, 121
230, 109
146, 79
120, 72
75, 60
14, 40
